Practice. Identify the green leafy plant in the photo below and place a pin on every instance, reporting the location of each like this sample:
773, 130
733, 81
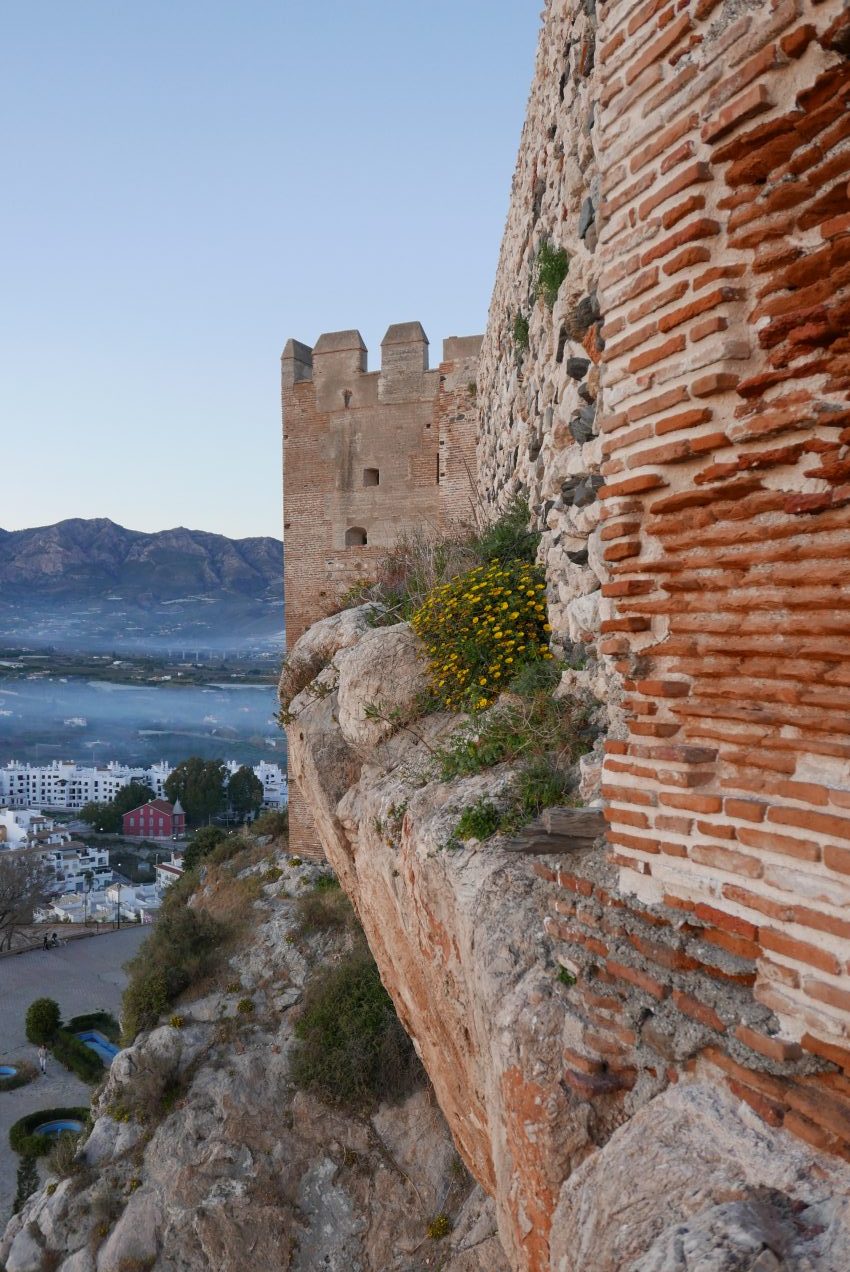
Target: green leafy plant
550, 269
520, 332
536, 677
272, 874
520, 729
245, 1006
76, 1056
176, 1021
479, 821
274, 823
509, 538
26, 1183
565, 977
103, 1021
352, 1049
42, 1021
325, 883
184, 945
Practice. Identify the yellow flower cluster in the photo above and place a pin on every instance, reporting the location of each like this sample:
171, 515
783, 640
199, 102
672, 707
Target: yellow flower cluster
480, 628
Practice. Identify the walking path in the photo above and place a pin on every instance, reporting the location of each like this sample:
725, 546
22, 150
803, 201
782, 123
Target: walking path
82, 976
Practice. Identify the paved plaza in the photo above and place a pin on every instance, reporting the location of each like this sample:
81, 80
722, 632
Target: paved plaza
85, 975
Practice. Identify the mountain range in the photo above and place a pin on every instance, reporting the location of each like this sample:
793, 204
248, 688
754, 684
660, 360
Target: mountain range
92, 584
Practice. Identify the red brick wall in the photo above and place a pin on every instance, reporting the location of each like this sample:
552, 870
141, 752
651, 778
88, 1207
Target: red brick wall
725, 291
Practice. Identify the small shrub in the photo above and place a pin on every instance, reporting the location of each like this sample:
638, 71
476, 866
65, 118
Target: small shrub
539, 784
439, 1227
520, 730
76, 1056
324, 910
325, 883
294, 862
480, 628
62, 1159
183, 947
565, 977
520, 332
24, 1073
201, 845
480, 821
550, 269
22, 1136
27, 1182
103, 1021
536, 677
245, 1006
272, 874
177, 1022
274, 823
352, 1049
42, 1021
509, 538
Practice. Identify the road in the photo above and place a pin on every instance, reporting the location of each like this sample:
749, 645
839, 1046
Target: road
82, 976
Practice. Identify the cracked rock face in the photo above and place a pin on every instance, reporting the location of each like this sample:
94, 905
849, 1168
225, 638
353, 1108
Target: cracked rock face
245, 1172
457, 934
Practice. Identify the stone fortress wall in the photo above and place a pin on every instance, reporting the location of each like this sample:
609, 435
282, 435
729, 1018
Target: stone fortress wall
680, 424
368, 455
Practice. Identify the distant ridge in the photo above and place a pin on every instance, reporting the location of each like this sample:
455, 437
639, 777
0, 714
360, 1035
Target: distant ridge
94, 584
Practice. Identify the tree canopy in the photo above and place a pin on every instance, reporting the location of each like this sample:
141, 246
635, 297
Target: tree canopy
107, 816
245, 791
199, 785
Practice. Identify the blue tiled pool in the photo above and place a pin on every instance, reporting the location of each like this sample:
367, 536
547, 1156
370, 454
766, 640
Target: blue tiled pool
100, 1045
7, 1071
59, 1125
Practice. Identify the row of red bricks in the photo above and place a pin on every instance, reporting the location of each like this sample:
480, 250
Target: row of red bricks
614, 1048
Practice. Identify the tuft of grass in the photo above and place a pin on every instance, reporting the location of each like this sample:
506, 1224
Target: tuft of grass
273, 822
551, 266
245, 1006
520, 332
479, 821
536, 677
325, 909
352, 1050
62, 1159
520, 730
565, 977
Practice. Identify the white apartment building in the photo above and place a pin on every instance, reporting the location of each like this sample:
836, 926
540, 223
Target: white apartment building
273, 780
64, 784
67, 785
168, 871
78, 869
29, 828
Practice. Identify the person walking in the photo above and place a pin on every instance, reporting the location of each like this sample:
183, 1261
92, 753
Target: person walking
46, 942
42, 1058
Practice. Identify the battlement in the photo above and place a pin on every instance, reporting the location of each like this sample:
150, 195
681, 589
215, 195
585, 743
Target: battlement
340, 356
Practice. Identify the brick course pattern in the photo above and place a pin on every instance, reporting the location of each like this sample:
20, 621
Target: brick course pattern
708, 148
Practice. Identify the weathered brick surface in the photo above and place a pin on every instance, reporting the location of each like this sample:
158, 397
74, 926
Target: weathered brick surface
708, 152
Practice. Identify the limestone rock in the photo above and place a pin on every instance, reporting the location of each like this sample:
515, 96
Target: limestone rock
692, 1183
385, 669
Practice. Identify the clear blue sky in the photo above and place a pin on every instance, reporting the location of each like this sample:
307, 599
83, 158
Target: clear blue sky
187, 183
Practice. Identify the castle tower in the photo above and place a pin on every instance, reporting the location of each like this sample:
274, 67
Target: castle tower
368, 455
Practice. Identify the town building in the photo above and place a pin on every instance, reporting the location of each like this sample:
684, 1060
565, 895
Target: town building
77, 868
64, 784
168, 872
29, 828
157, 819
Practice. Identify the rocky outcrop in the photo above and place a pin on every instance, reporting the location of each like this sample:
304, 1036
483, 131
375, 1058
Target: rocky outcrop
457, 931
202, 1155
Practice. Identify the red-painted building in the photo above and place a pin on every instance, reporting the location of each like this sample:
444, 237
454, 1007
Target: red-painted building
157, 819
